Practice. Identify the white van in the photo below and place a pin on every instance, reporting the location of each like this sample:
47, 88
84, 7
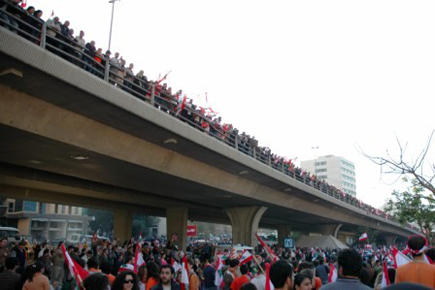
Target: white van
11, 234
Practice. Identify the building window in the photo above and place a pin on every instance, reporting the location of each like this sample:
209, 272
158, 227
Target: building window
29, 206
320, 163
10, 207
63, 209
321, 170
76, 210
70, 210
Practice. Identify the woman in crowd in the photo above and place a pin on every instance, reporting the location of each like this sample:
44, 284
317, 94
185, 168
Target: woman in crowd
96, 281
142, 273
126, 281
303, 282
35, 278
153, 276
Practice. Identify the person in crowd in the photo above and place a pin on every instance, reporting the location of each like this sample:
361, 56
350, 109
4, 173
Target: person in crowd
349, 267
241, 280
417, 271
96, 282
36, 280
4, 252
281, 275
167, 279
129, 77
260, 278
126, 281
194, 282
249, 286
58, 266
98, 59
142, 277
106, 268
9, 279
303, 281
153, 275
93, 265
19, 252
209, 273
88, 56
231, 273
322, 271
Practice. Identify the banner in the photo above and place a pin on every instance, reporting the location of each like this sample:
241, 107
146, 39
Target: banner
192, 230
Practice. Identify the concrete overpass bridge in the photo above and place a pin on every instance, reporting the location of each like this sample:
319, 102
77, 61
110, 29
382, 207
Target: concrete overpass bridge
67, 136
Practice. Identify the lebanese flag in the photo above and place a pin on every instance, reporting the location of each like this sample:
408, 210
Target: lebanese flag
138, 259
363, 237
163, 78
332, 277
269, 285
75, 269
24, 3
246, 257
269, 251
219, 277
175, 265
385, 279
185, 273
181, 106
126, 267
399, 258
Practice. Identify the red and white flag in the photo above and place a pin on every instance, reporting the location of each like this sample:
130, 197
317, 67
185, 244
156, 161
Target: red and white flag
332, 277
185, 273
181, 106
385, 278
24, 3
399, 258
246, 257
219, 278
175, 265
269, 251
138, 259
363, 237
77, 272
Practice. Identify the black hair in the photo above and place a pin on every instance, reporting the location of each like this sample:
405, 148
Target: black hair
31, 270
416, 243
11, 263
153, 270
118, 284
234, 263
431, 253
305, 265
167, 266
350, 261
106, 268
248, 286
299, 278
92, 263
96, 281
279, 272
244, 269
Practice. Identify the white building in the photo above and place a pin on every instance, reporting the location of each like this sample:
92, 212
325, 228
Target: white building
335, 170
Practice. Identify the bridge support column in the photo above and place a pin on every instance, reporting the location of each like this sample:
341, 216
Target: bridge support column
330, 229
391, 240
244, 222
284, 231
176, 224
122, 224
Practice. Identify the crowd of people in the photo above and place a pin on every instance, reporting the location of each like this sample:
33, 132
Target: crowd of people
146, 265
60, 39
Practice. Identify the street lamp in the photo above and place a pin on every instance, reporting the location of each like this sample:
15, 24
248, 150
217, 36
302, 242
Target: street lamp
111, 20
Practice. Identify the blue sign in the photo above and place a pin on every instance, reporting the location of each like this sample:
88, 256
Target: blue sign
289, 243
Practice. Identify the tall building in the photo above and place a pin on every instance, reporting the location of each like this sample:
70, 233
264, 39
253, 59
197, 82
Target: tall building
335, 170
46, 221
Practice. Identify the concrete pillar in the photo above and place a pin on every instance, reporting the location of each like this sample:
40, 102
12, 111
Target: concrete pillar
284, 231
391, 240
244, 222
330, 229
176, 223
122, 224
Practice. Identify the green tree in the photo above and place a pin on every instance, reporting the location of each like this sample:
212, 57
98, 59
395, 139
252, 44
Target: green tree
102, 223
416, 206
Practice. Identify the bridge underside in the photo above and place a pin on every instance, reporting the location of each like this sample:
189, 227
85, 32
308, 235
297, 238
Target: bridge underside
50, 118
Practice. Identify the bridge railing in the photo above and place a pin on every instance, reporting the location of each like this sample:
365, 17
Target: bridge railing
152, 92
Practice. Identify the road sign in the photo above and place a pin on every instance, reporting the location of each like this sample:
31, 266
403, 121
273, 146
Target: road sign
289, 243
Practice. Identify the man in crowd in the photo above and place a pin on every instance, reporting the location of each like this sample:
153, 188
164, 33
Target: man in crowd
9, 279
4, 253
260, 279
167, 279
322, 271
281, 275
19, 252
417, 271
209, 274
242, 280
231, 273
349, 268
193, 278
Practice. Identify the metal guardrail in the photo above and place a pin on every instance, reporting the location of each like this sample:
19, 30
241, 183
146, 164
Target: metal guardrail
153, 93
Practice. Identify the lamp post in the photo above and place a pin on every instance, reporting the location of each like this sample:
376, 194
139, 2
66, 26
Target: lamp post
111, 21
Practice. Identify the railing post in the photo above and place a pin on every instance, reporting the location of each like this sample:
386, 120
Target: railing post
43, 35
153, 93
269, 160
254, 153
236, 142
107, 70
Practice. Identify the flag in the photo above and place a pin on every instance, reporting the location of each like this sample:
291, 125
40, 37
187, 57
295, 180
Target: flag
24, 3
185, 273
268, 250
175, 265
267, 287
75, 269
138, 260
332, 277
163, 78
246, 257
385, 278
126, 267
232, 255
363, 237
399, 258
219, 277
181, 106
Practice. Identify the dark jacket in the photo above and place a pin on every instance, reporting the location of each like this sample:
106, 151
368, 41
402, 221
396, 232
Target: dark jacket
174, 286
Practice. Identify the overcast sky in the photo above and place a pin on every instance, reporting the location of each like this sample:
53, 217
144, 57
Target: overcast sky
340, 75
